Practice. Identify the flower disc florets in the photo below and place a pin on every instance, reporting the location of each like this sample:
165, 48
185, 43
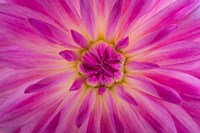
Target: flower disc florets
102, 65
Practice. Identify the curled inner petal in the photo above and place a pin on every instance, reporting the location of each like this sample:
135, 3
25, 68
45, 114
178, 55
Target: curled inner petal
101, 65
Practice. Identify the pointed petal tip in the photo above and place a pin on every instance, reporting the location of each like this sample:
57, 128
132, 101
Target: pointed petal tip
171, 96
125, 96
123, 43
79, 39
77, 84
40, 26
68, 55
34, 88
101, 90
83, 112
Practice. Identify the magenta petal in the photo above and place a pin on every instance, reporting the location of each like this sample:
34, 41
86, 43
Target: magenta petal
88, 17
83, 112
79, 39
101, 90
125, 96
122, 43
164, 32
68, 55
77, 84
35, 87
118, 125
47, 83
134, 66
50, 32
155, 89
182, 82
113, 19
18, 57
71, 11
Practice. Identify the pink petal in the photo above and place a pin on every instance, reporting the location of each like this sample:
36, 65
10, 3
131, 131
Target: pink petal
23, 108
135, 66
92, 81
113, 19
174, 53
30, 4
101, 90
95, 118
53, 124
133, 121
77, 84
112, 121
20, 58
125, 96
155, 114
67, 109
155, 89
184, 124
118, 125
122, 43
152, 38
69, 55
175, 12
179, 81
84, 110
50, 32
134, 10
79, 39
106, 125
164, 32
88, 17
47, 83
118, 76
70, 10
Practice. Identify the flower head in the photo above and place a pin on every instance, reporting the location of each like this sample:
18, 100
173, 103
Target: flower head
99, 66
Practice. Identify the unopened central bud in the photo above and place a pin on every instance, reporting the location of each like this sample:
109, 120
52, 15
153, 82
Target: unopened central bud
102, 65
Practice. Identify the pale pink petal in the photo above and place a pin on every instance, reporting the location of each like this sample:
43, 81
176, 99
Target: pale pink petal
114, 121
113, 19
69, 100
84, 110
48, 82
135, 66
174, 13
95, 117
154, 89
174, 53
132, 120
88, 17
50, 32
155, 114
22, 108
152, 38
20, 58
134, 10
183, 124
183, 83
125, 96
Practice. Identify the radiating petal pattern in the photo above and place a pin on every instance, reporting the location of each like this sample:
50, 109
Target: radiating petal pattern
99, 66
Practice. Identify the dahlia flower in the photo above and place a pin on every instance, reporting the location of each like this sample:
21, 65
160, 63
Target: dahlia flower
100, 66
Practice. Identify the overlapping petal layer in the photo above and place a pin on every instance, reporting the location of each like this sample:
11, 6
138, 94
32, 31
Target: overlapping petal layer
142, 60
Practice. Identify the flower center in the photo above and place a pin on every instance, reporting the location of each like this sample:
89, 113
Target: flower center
102, 65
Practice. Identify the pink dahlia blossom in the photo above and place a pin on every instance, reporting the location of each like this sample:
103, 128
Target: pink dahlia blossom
100, 66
